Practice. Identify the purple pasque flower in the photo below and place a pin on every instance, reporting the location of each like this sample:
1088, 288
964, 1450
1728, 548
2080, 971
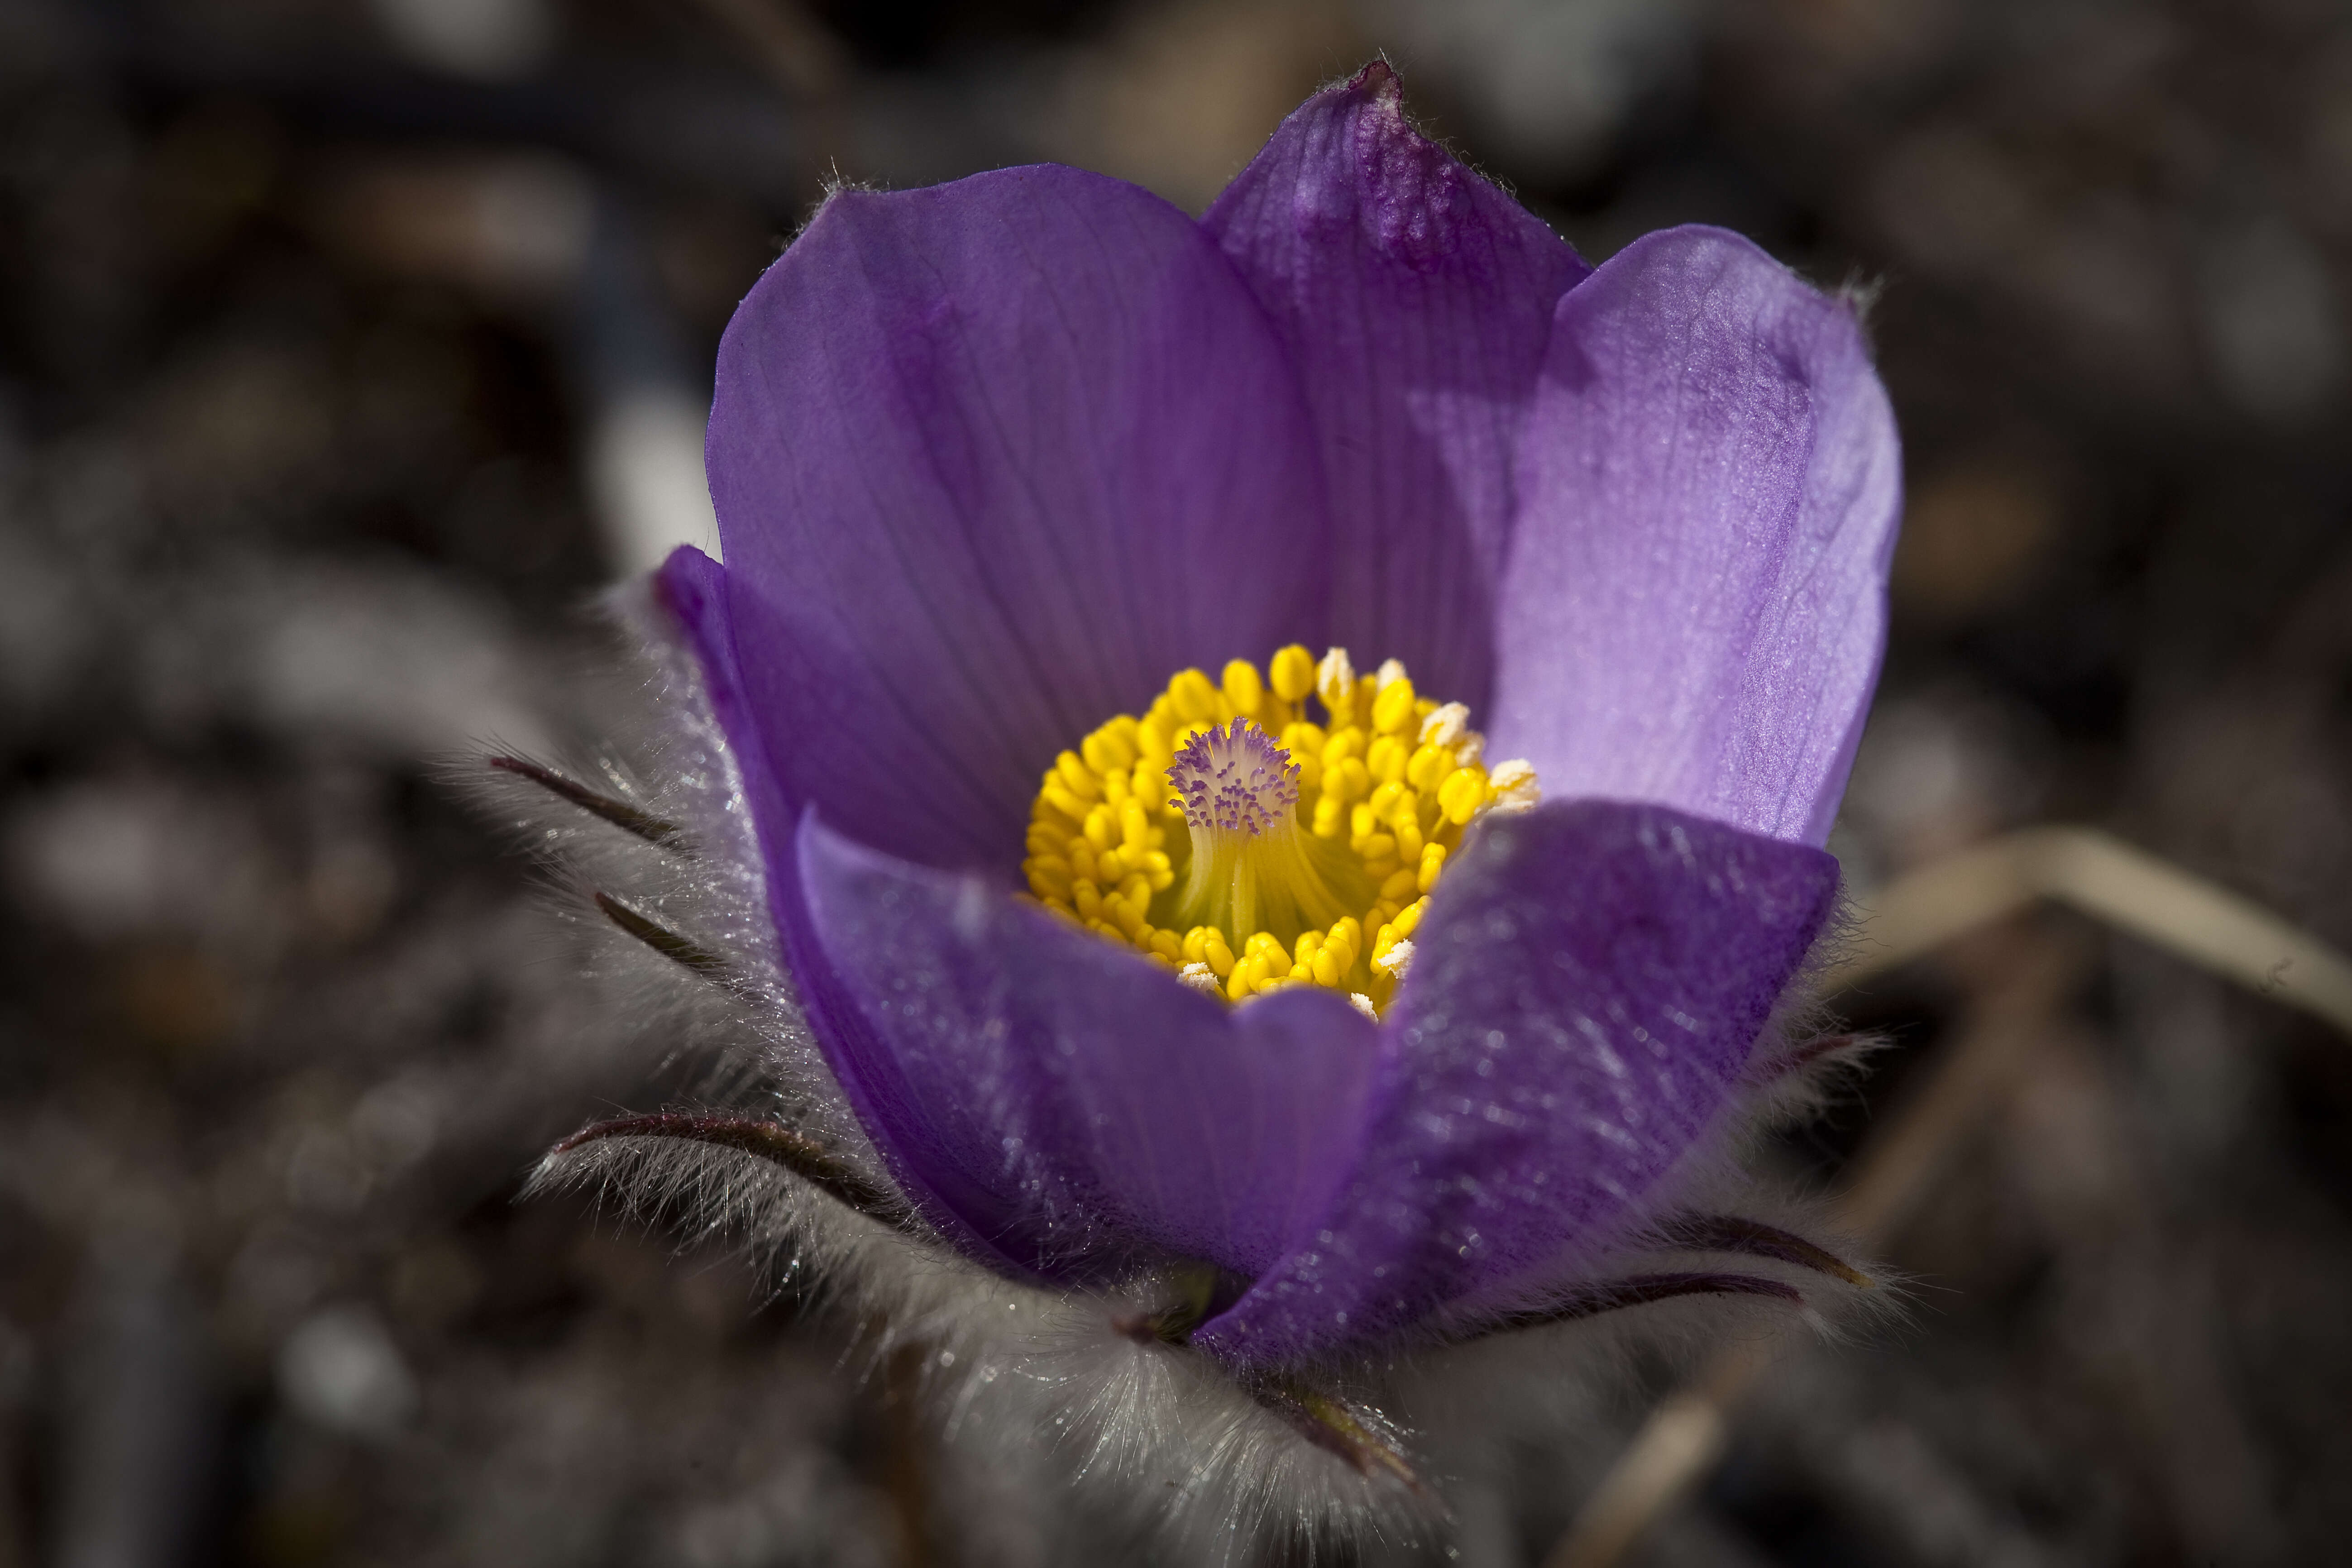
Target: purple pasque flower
995, 460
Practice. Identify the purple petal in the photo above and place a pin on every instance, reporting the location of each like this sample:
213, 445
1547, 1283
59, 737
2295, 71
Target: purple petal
1068, 1102
1415, 299
694, 586
991, 460
1583, 996
1696, 602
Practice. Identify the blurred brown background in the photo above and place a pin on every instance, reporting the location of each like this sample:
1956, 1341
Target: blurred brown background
348, 346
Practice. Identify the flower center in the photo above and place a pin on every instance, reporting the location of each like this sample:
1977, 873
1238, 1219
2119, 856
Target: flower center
1248, 846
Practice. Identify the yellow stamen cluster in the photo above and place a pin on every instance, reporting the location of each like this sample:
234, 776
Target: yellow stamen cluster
1361, 810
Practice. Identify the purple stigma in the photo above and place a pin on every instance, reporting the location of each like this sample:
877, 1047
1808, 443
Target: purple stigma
1235, 778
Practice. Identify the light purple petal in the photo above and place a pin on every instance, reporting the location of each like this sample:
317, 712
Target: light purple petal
1696, 602
1584, 994
1416, 300
991, 460
1068, 1102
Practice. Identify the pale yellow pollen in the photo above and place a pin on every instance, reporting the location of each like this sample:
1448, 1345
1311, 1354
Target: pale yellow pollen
1330, 890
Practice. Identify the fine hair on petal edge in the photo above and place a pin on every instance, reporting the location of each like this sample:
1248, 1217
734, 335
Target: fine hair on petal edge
1415, 124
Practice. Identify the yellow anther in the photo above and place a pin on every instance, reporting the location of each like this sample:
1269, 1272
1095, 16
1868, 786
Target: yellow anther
1107, 749
1463, 792
1075, 776
1341, 827
1293, 669
1151, 748
1428, 766
1392, 710
1194, 699
1059, 797
1245, 977
1242, 688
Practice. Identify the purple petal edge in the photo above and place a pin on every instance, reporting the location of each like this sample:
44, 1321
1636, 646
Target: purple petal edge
1067, 1099
694, 588
1696, 602
1589, 984
1416, 300
992, 460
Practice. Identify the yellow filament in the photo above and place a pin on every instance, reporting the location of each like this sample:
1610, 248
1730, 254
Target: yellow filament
1331, 891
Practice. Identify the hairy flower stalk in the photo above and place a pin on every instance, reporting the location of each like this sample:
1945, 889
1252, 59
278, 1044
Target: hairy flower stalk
1188, 1063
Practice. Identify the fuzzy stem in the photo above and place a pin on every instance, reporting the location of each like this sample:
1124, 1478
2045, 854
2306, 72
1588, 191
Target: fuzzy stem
1639, 1289
1336, 1426
796, 1151
619, 813
660, 938
1730, 1233
1173, 1323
